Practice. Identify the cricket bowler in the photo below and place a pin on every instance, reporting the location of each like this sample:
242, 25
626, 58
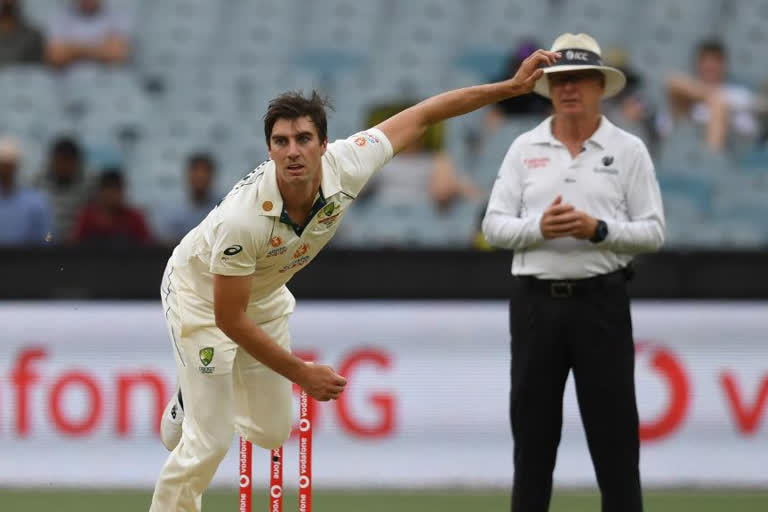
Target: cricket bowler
224, 289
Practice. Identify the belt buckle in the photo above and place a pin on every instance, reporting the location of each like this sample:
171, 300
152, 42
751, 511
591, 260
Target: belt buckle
561, 290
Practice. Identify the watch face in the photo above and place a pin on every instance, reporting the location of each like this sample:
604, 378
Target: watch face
601, 232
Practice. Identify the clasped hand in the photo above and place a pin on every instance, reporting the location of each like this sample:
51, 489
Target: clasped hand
562, 220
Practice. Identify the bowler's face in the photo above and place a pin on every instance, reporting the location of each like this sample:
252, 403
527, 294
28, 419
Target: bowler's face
576, 92
296, 149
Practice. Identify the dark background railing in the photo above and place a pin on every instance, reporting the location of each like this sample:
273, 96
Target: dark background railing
99, 273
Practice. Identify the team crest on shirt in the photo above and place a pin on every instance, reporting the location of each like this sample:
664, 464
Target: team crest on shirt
329, 214
360, 141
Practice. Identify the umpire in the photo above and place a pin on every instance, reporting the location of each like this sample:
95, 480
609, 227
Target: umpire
576, 198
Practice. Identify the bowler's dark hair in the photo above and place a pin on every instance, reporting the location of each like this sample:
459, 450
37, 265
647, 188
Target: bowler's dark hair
711, 46
293, 105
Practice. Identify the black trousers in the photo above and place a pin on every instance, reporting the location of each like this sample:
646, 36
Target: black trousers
584, 326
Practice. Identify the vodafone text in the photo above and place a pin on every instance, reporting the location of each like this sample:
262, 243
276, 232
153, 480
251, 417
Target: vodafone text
108, 402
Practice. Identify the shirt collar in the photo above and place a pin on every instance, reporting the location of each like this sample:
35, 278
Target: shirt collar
271, 202
319, 203
542, 134
602, 135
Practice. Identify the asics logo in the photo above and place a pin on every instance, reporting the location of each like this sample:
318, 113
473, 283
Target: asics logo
231, 251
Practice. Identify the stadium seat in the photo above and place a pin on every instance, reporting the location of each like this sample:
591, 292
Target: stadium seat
493, 149
606, 21
214, 66
697, 190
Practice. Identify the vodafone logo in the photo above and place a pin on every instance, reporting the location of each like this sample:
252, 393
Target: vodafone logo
304, 425
245, 481
304, 481
665, 364
276, 491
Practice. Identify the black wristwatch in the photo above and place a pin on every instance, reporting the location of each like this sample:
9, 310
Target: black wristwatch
601, 232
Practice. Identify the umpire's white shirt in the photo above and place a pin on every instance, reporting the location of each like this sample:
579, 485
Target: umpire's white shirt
611, 179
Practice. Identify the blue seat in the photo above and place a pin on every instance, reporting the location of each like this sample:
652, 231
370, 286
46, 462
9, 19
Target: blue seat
485, 167
697, 189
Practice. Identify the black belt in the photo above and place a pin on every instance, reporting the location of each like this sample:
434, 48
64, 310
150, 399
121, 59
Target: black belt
566, 288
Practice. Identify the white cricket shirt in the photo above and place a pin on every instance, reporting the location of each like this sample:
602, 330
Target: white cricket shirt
249, 233
612, 179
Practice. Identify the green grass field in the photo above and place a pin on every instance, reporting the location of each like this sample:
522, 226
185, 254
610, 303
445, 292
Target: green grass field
381, 501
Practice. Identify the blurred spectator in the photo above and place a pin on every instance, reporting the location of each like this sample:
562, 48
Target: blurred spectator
64, 182
108, 220
725, 109
630, 109
422, 175
25, 214
177, 222
20, 43
525, 105
426, 173
88, 31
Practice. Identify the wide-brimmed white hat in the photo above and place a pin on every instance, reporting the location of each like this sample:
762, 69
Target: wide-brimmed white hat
580, 51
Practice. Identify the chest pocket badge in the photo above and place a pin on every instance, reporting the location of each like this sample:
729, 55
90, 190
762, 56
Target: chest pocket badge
329, 215
607, 161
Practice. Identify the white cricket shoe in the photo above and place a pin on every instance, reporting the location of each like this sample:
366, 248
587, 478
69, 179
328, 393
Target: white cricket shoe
170, 425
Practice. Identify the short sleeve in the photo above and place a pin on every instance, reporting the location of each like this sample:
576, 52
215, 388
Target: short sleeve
234, 249
359, 157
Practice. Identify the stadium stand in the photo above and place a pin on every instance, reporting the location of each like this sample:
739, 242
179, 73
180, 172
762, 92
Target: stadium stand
202, 72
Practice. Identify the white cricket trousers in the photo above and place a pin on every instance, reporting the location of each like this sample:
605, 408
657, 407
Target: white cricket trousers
224, 390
